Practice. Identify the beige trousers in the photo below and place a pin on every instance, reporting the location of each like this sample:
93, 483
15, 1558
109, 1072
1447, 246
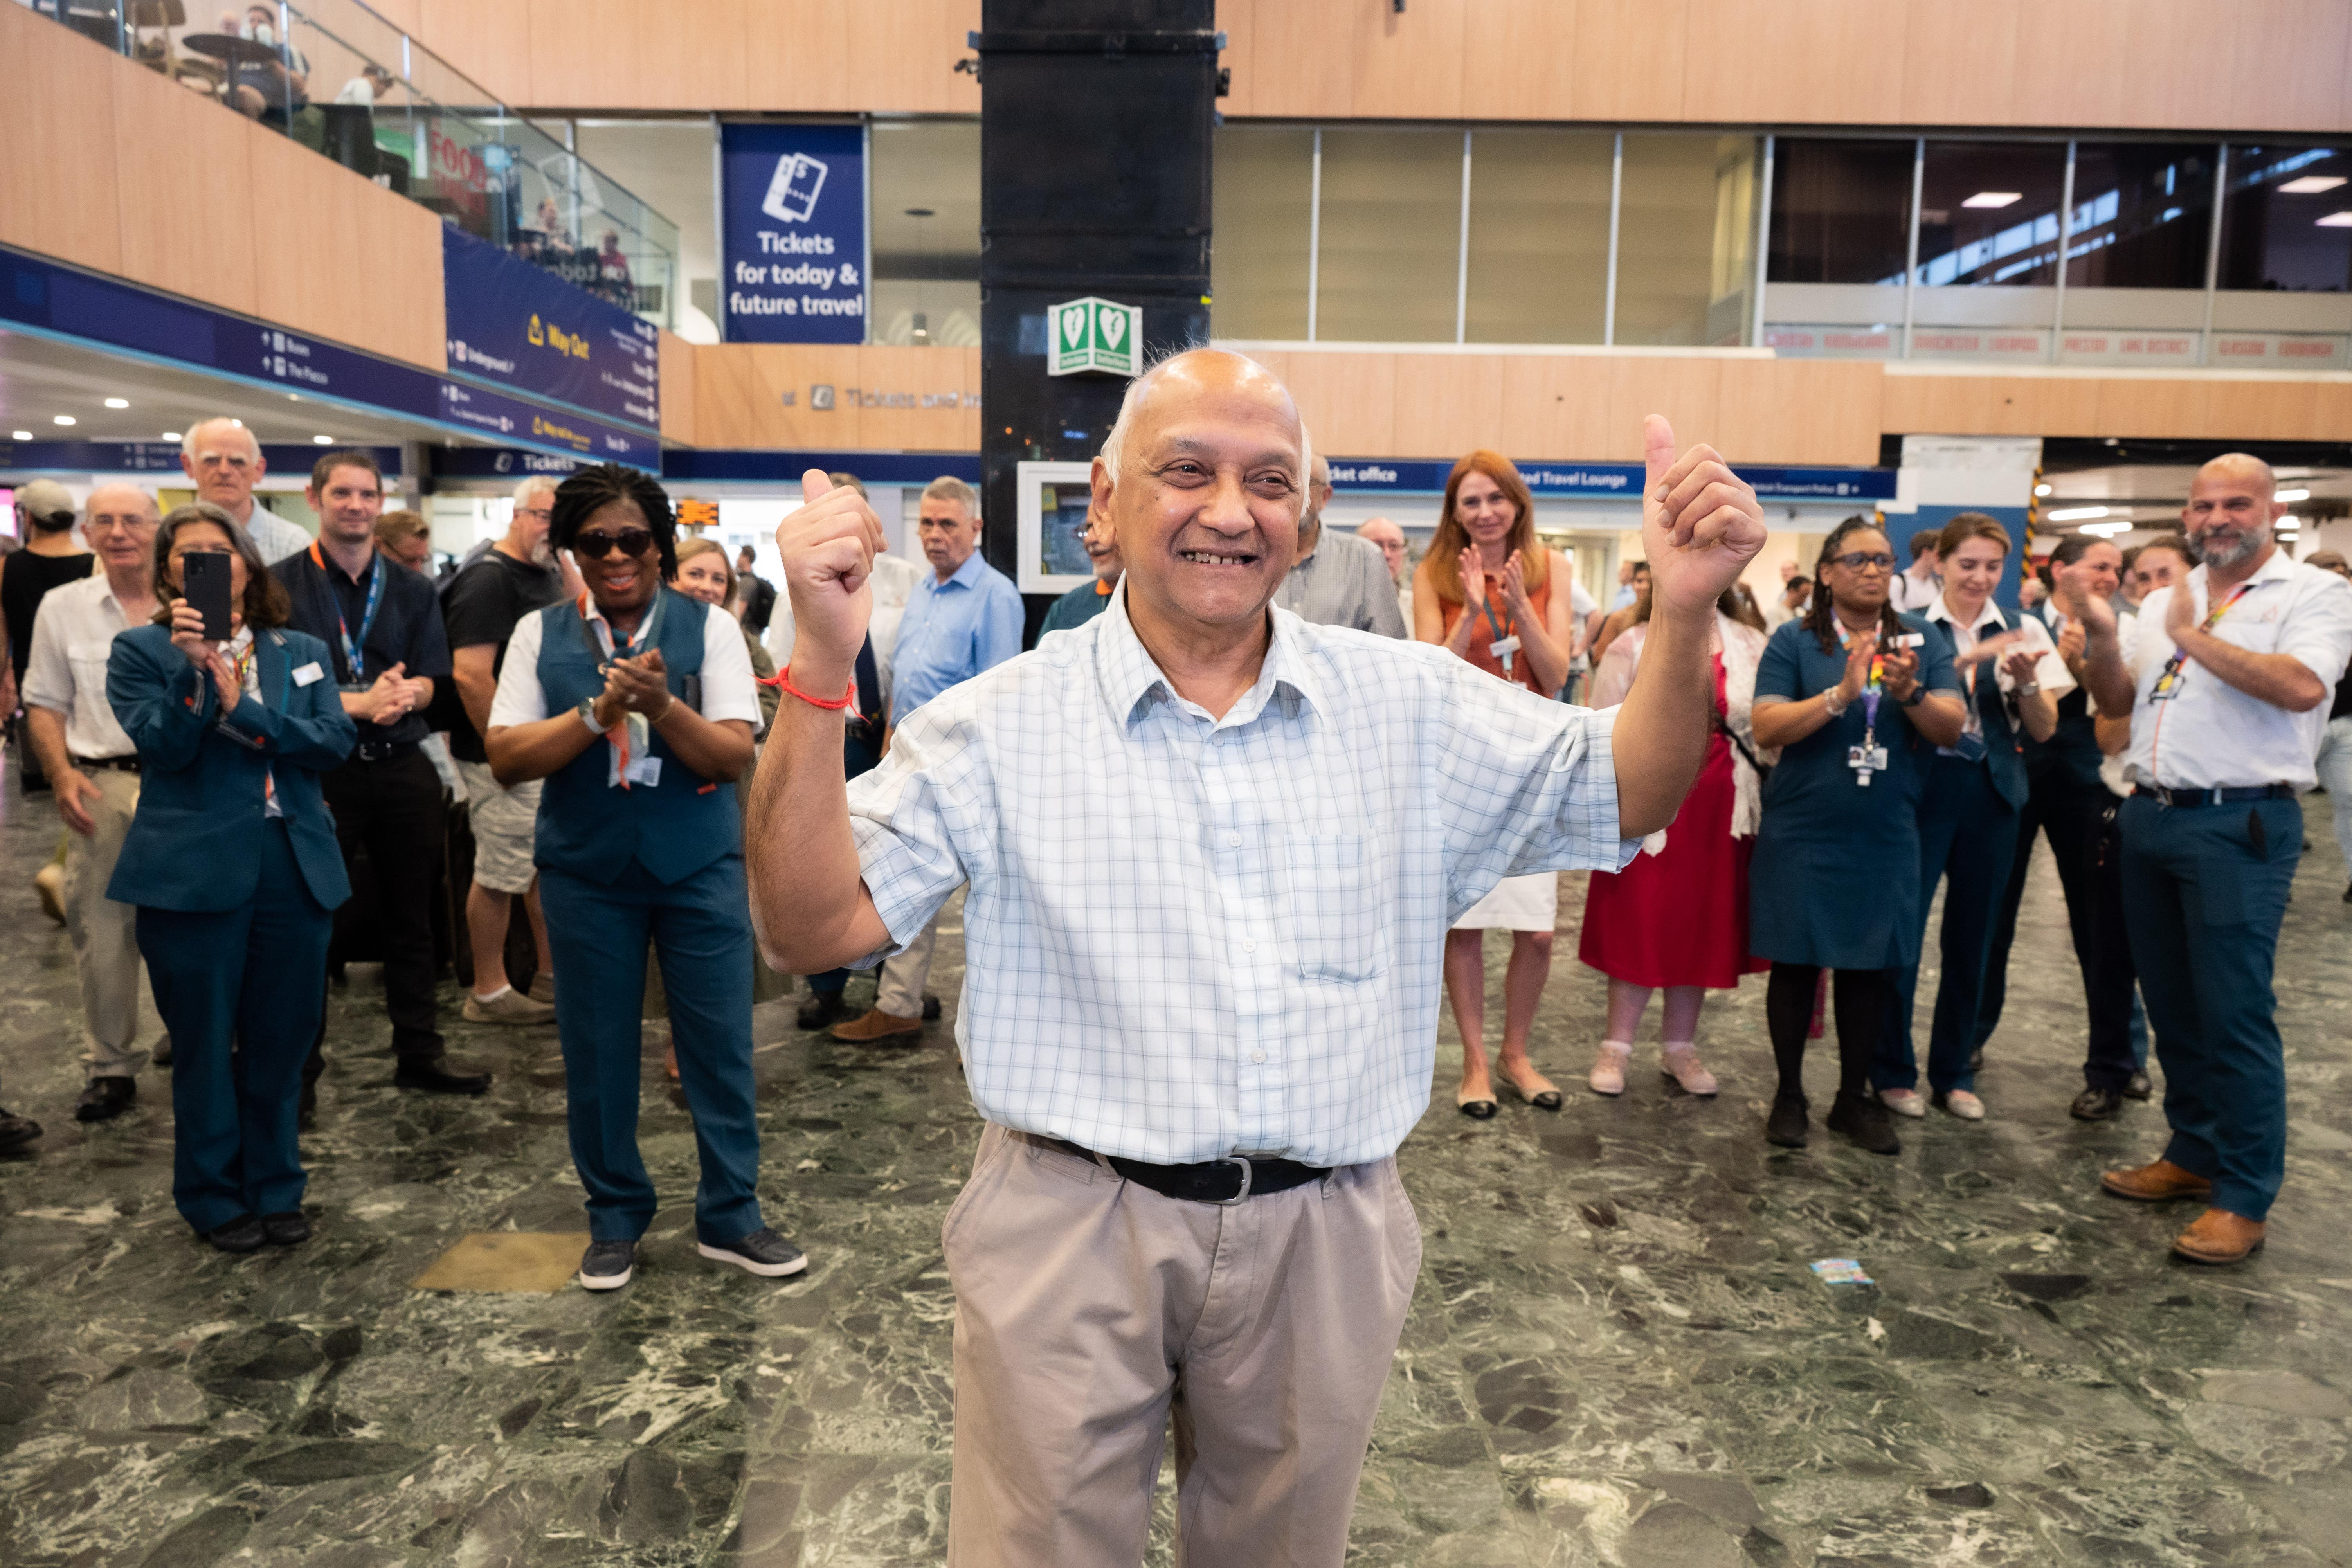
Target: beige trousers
900, 990
1089, 1309
105, 934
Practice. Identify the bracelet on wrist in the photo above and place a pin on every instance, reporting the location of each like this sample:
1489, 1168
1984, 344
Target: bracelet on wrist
1834, 701
785, 682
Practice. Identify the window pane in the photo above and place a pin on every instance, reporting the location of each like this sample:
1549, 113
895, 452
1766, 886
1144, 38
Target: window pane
1685, 240
2287, 223
1841, 211
1988, 213
1264, 204
2142, 214
926, 198
1392, 236
1539, 235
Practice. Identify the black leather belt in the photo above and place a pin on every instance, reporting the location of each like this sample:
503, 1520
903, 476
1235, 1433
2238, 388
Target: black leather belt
2181, 797
1226, 1181
381, 750
129, 764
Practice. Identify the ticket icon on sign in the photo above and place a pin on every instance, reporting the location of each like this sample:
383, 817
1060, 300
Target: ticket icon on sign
793, 188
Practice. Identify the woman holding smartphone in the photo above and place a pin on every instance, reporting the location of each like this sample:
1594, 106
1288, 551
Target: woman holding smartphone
1855, 696
232, 865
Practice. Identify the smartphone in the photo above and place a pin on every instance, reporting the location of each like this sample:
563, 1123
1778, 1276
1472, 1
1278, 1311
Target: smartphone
204, 583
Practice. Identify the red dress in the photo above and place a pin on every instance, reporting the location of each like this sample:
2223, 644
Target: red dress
1679, 917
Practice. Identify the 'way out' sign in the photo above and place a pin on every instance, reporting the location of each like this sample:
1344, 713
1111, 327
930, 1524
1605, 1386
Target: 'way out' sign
1096, 334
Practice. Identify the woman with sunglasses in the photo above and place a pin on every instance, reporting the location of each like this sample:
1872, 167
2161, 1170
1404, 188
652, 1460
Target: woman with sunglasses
636, 705
1856, 697
233, 865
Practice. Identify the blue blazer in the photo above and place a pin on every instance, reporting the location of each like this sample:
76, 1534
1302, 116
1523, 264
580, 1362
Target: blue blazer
194, 843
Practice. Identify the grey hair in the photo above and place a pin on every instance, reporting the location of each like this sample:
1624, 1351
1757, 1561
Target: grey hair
531, 485
948, 487
188, 441
1114, 447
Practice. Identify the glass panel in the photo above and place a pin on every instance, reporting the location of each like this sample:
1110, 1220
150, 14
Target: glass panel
926, 241
2142, 214
1265, 191
2287, 223
1685, 240
1539, 235
1841, 211
1988, 213
1392, 236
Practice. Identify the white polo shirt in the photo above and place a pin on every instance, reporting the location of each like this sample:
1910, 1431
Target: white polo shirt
2050, 671
2209, 734
728, 688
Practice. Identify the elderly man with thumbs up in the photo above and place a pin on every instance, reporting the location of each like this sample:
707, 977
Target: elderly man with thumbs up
1212, 851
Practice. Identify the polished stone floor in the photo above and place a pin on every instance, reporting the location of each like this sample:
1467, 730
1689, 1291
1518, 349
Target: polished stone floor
1618, 1354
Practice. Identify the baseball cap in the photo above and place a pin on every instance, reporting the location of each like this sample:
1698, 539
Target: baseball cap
46, 498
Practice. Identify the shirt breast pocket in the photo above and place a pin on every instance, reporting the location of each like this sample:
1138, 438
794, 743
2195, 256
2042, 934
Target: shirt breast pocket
2255, 636
88, 661
1331, 912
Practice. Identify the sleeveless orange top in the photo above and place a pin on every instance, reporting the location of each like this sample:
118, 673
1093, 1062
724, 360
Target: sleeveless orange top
1539, 599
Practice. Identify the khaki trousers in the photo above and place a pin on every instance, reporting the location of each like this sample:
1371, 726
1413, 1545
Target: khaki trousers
105, 934
900, 990
1089, 1309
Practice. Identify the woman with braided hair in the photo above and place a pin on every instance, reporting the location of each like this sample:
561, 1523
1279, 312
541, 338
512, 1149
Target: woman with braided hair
1856, 696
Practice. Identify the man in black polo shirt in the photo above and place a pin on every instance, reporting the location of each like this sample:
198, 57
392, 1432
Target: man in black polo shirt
759, 594
381, 625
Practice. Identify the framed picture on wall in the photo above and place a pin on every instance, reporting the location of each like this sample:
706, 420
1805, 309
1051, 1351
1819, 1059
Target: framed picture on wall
1053, 498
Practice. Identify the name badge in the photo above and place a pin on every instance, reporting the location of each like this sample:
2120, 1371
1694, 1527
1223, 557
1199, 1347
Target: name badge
1865, 761
1504, 648
645, 770
2167, 687
1968, 749
308, 674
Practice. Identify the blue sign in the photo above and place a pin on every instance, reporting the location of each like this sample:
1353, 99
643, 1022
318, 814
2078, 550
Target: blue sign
155, 456
1612, 481
793, 234
512, 419
522, 329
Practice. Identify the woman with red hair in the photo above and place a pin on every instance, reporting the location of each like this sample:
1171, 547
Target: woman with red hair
1491, 592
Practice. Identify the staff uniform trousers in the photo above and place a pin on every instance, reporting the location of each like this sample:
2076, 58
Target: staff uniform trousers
699, 935
2118, 1047
105, 934
2204, 890
1090, 1308
394, 807
242, 992
1967, 835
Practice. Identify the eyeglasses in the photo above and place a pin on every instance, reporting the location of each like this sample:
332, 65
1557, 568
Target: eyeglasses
544, 514
629, 541
1858, 559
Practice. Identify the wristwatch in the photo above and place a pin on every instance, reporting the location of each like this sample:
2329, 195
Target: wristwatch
1918, 695
2028, 688
587, 711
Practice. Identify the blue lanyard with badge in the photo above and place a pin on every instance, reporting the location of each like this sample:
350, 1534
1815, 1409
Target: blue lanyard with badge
355, 648
1505, 646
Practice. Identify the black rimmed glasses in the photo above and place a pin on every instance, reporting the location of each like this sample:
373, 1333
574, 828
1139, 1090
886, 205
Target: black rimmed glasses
1862, 560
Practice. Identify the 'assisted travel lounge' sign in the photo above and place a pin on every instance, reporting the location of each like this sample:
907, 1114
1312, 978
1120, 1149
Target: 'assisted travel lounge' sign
793, 240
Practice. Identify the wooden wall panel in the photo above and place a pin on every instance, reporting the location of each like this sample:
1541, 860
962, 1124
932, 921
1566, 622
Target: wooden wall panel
2305, 85
57, 178
2155, 408
2176, 56
382, 292
1688, 392
1793, 61
587, 53
178, 152
693, 51
1958, 62
1300, 61
1628, 58
679, 389
804, 43
1552, 401
1348, 401
2073, 62
1447, 404
1797, 411
1515, 61
737, 396
491, 43
1410, 61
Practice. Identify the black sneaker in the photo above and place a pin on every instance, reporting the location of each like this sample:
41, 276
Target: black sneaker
1786, 1125
1870, 1124
104, 1098
432, 1075
2139, 1087
821, 1009
931, 1008
16, 1132
243, 1234
290, 1228
762, 1252
607, 1265
2095, 1104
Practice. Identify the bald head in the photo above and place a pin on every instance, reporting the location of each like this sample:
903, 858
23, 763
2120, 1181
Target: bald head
2232, 504
1197, 371
1379, 530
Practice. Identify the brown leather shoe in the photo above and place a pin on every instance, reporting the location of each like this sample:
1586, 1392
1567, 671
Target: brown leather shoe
2159, 1183
874, 1026
2220, 1236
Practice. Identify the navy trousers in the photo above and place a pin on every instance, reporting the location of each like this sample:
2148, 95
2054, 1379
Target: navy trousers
2204, 890
241, 993
1967, 837
703, 940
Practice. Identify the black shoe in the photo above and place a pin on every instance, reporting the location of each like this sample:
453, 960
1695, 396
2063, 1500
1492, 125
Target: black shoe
1786, 1125
1870, 1124
243, 1234
162, 1054
931, 1008
2139, 1087
607, 1265
823, 1009
432, 1075
762, 1252
2347, 892
105, 1098
16, 1132
289, 1230
2095, 1104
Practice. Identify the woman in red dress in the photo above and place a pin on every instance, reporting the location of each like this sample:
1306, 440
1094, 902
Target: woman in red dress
1677, 916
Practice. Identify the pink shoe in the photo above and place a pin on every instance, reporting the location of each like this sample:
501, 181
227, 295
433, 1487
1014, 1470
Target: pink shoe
1608, 1076
1680, 1062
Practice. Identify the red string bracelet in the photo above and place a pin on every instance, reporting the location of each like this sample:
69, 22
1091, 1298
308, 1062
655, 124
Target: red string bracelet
784, 679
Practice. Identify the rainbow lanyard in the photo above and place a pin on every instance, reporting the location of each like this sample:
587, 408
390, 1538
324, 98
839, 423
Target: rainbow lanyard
1870, 757
2169, 680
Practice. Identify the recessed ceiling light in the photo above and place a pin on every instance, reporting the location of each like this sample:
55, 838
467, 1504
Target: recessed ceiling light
2335, 220
63, 419
20, 434
2291, 495
322, 440
2312, 185
171, 435
2075, 513
2105, 529
117, 402
2041, 489
1993, 198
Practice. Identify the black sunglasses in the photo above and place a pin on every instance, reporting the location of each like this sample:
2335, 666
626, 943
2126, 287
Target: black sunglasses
629, 541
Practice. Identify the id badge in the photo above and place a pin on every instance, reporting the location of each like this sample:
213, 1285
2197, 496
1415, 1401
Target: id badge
1865, 761
1504, 648
1969, 748
645, 770
2167, 687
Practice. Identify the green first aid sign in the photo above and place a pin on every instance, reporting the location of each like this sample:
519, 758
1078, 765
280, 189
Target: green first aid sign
1097, 335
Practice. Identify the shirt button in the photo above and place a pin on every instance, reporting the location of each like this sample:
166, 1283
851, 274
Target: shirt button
1249, 944
1257, 1056
1233, 840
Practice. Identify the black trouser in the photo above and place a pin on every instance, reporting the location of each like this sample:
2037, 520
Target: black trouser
1861, 1000
2075, 816
395, 808
2109, 977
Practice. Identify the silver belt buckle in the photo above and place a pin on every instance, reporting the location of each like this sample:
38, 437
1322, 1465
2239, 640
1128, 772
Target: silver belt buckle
1243, 1162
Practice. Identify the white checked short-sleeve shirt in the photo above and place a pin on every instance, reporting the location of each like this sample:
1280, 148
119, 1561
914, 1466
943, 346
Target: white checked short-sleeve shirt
1188, 937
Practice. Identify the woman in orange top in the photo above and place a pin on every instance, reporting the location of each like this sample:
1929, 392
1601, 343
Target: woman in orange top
1488, 591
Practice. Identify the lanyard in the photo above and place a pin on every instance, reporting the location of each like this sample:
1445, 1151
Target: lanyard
1867, 758
2169, 679
631, 739
355, 648
1503, 630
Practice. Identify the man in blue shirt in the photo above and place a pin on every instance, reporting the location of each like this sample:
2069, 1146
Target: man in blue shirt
962, 619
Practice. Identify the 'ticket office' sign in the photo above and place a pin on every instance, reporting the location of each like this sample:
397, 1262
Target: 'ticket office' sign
793, 259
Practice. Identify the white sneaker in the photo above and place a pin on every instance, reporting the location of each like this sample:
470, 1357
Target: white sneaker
1959, 1102
1904, 1103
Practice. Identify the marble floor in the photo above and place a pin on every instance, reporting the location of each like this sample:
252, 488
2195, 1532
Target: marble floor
1617, 1354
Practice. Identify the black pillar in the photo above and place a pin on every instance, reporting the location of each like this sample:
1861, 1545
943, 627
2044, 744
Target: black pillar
1094, 122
